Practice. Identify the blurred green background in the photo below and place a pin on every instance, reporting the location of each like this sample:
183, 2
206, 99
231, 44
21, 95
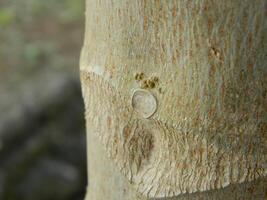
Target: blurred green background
42, 136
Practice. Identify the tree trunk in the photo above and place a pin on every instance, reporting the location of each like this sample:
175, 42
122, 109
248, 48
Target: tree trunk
176, 99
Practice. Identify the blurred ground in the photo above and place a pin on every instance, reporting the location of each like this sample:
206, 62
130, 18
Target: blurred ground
42, 136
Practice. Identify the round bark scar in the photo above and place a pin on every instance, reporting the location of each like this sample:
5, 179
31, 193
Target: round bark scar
144, 103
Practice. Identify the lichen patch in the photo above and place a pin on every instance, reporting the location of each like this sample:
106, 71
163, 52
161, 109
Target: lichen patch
144, 103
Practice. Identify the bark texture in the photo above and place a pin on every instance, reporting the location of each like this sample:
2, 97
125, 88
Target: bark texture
176, 99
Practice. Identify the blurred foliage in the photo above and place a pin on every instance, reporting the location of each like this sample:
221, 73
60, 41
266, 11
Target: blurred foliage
7, 17
42, 140
70, 10
38, 33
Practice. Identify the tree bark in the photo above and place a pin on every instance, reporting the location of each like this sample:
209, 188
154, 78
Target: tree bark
176, 97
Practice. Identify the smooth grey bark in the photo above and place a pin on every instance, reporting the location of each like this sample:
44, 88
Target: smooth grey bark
175, 97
